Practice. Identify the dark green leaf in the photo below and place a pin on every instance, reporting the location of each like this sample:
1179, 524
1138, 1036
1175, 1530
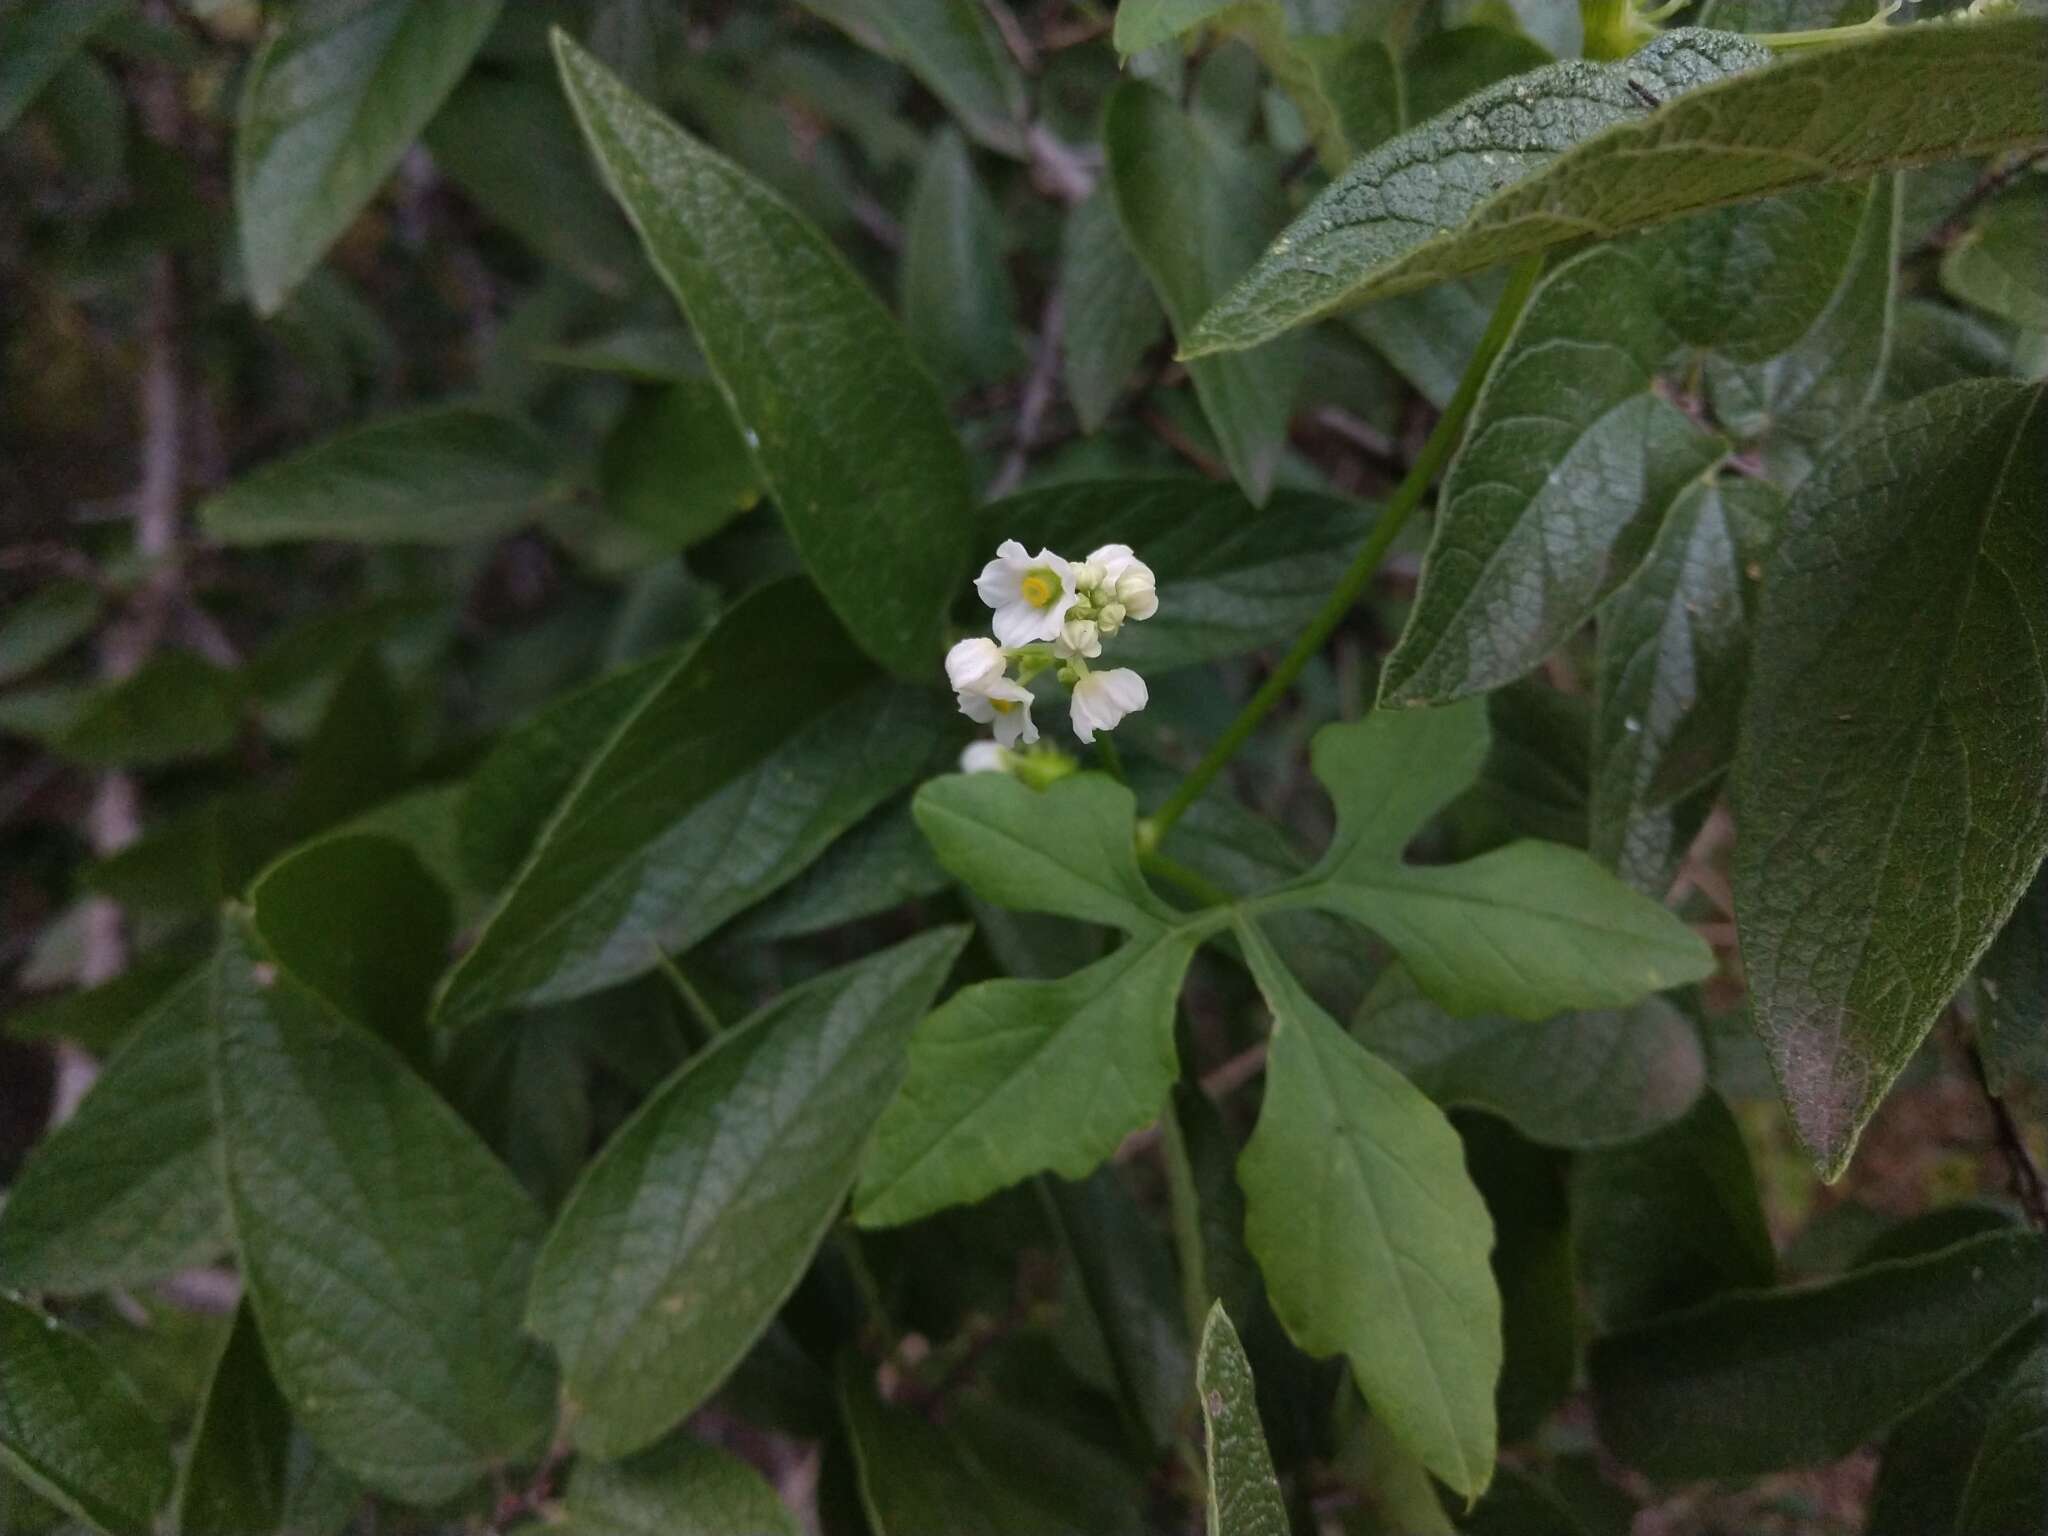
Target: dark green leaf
45, 623
1195, 206
882, 863
1934, 344
1928, 1457
446, 475
100, 1018
681, 1487
1892, 786
1901, 96
176, 707
1670, 1220
1448, 66
37, 37
676, 467
125, 1191
334, 97
951, 46
848, 431
956, 297
1244, 1497
1728, 1389
1524, 1187
2007, 1492
1142, 24
1112, 315
699, 1217
357, 754
2001, 265
1371, 1237
2012, 982
752, 752
1577, 1080
73, 1429
385, 1251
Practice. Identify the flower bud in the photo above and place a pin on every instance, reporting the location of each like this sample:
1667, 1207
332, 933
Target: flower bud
1078, 637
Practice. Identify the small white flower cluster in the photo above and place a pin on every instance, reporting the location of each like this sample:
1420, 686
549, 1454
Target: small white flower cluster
1052, 612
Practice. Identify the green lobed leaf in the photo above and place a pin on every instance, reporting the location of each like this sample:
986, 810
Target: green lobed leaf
748, 755
1527, 930
1244, 1497
125, 1192
958, 306
384, 1250
954, 49
676, 467
1233, 577
37, 39
680, 1487
73, 1429
1727, 1389
2012, 985
44, 624
849, 433
696, 1221
1112, 315
1578, 1080
1892, 782
1370, 1234
1194, 206
443, 475
333, 98
1429, 206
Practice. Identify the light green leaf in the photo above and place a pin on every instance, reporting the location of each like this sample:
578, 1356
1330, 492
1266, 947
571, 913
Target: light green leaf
680, 1487
125, 1191
2012, 985
1112, 315
445, 475
1195, 206
73, 1429
1671, 1220
1728, 1388
1577, 1080
1233, 577
334, 97
955, 292
695, 1223
1142, 24
749, 755
511, 144
849, 433
1244, 1497
247, 1468
1066, 849
1430, 205
2001, 265
2005, 1492
1892, 783
1371, 1237
385, 1251
676, 467
37, 38
953, 48
1010, 1078
44, 624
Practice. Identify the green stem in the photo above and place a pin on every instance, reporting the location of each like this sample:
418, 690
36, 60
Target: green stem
1400, 506
1153, 862
693, 1000
1184, 1202
870, 1290
1112, 760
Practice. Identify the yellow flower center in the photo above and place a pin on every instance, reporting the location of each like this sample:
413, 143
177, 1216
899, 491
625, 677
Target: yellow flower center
1040, 587
1002, 706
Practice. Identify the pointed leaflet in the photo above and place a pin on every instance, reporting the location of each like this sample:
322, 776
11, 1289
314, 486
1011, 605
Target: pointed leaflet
701, 1214
384, 1249
1728, 1388
1370, 1234
1528, 930
680, 1487
73, 1429
1430, 206
1576, 452
1892, 783
1244, 1497
125, 1191
1195, 206
334, 97
735, 769
848, 430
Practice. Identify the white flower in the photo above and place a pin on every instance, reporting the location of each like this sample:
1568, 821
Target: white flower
974, 662
1078, 637
1102, 699
984, 757
1127, 580
1030, 594
1003, 704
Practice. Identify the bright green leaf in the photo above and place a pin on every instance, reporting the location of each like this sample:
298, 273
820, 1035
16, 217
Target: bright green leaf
701, 1214
1892, 784
680, 1487
848, 431
1431, 205
335, 96
1244, 1497
1729, 1389
957, 302
445, 475
1371, 1237
385, 1251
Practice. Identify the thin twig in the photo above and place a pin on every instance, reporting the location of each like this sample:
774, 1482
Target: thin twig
1036, 398
2029, 1187
1163, 428
1013, 35
1058, 170
1995, 180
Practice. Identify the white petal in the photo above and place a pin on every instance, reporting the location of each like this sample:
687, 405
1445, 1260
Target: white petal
984, 757
1016, 727
1000, 582
1112, 558
974, 662
1102, 699
1018, 623
976, 707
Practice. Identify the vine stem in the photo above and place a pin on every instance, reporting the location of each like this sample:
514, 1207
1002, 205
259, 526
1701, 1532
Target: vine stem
1443, 438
